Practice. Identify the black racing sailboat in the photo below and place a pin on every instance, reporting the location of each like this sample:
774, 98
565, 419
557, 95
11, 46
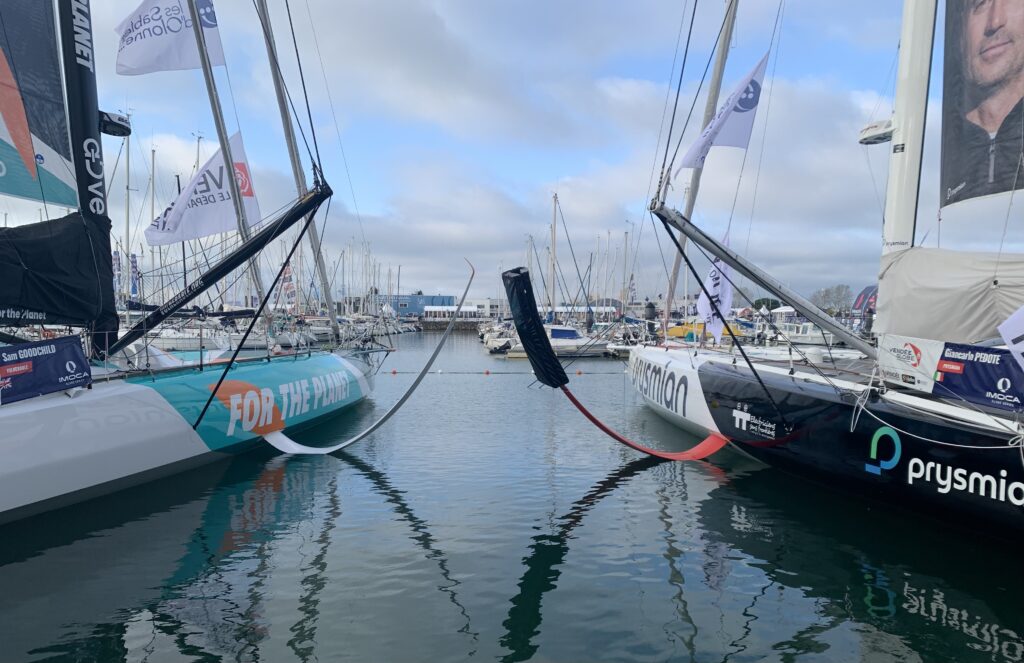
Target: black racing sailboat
927, 420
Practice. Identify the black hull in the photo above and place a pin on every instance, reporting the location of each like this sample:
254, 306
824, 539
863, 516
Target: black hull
807, 431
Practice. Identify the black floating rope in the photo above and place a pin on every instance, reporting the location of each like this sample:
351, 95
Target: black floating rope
550, 372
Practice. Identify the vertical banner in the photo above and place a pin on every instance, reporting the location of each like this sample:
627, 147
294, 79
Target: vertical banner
983, 85
135, 276
720, 289
116, 260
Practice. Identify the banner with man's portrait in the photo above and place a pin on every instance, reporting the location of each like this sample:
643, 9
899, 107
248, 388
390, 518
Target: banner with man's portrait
983, 88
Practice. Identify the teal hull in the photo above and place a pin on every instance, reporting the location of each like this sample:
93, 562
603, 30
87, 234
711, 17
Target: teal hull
259, 397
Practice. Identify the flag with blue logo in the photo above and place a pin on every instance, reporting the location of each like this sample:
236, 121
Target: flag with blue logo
732, 125
158, 36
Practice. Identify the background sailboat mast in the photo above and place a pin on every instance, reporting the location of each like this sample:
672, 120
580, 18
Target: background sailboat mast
909, 114
127, 212
553, 279
710, 108
225, 148
293, 153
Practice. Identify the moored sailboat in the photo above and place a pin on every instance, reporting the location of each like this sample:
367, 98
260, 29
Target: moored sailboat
77, 427
930, 418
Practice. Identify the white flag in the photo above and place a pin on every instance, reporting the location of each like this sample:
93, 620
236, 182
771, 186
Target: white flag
734, 121
158, 36
720, 288
204, 207
1012, 331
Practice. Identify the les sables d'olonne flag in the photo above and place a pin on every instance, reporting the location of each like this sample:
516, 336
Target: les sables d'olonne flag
204, 207
158, 36
733, 122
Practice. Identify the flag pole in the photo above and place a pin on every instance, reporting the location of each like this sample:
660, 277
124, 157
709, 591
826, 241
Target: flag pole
710, 108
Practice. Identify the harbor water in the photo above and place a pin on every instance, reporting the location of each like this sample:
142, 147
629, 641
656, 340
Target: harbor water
488, 520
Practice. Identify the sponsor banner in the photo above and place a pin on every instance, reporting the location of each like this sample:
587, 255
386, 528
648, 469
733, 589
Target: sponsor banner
987, 376
33, 369
910, 362
866, 300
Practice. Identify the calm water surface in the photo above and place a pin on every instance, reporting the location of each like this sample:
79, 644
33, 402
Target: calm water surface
489, 521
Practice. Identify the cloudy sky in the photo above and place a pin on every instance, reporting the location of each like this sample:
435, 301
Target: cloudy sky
459, 120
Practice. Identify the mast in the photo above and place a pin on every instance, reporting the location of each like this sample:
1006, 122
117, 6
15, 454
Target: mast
258, 242
128, 211
552, 277
909, 114
625, 268
75, 23
225, 147
710, 108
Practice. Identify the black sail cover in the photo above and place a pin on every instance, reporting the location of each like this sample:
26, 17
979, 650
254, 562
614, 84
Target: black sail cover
58, 272
531, 331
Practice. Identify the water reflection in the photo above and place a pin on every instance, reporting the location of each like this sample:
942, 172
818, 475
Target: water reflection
547, 553
275, 559
945, 595
421, 534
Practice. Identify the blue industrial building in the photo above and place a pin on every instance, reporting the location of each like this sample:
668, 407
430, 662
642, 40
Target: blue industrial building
414, 304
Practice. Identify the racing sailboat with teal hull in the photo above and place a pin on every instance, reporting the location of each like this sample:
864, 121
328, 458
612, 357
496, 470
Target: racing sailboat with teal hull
77, 426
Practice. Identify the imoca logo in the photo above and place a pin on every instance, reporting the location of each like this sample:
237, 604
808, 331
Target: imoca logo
897, 448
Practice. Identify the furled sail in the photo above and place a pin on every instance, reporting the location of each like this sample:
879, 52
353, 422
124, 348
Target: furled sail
56, 272
35, 148
962, 291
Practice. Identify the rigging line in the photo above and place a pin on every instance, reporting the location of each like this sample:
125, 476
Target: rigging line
572, 252
718, 312
285, 445
302, 79
276, 64
1009, 204
767, 115
654, 161
664, 107
700, 86
661, 251
792, 346
334, 116
540, 270
117, 160
1011, 443
248, 330
679, 89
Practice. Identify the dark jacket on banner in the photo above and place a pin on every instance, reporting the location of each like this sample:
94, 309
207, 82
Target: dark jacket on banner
975, 164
